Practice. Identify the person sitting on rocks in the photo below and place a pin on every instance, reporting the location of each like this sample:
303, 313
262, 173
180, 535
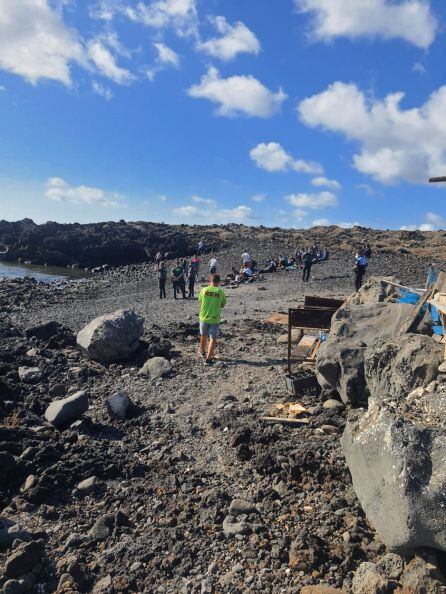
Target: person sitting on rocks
212, 299
178, 282
246, 272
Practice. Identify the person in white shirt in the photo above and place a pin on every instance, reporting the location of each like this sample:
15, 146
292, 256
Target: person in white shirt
246, 258
213, 266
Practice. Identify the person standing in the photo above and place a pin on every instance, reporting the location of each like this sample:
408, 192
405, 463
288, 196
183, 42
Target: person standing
178, 281
185, 267
162, 276
158, 259
308, 261
360, 268
213, 266
195, 265
191, 283
212, 299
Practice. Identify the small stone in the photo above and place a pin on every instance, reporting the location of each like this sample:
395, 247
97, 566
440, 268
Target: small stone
29, 374
332, 404
442, 367
135, 566
102, 585
61, 412
32, 352
23, 559
58, 390
232, 528
391, 566
87, 486
368, 579
117, 405
12, 587
156, 367
213, 568
239, 507
28, 484
329, 429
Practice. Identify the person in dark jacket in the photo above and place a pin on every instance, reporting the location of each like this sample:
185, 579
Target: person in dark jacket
308, 260
360, 268
162, 276
191, 283
179, 284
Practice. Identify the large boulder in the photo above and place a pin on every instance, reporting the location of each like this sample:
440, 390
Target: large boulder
396, 366
340, 360
396, 451
374, 290
112, 337
62, 412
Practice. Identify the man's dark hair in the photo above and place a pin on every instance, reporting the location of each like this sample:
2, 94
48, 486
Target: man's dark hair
214, 278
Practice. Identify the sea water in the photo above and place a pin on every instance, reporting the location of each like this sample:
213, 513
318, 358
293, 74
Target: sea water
44, 274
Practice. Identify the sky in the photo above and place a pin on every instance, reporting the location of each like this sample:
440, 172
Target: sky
289, 113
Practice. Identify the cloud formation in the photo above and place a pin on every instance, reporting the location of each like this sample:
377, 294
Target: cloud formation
234, 40
396, 144
61, 191
35, 43
324, 182
237, 95
410, 20
312, 201
272, 157
213, 214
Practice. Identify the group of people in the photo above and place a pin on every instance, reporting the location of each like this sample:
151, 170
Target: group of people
184, 274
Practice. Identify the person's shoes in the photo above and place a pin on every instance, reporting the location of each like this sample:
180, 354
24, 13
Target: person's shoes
209, 362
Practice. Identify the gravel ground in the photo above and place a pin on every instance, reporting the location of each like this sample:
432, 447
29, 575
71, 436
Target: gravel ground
160, 517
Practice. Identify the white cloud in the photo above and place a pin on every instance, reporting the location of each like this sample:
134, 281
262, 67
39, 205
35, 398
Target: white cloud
435, 219
410, 20
348, 225
258, 198
326, 183
214, 214
235, 39
426, 227
102, 90
35, 43
272, 157
167, 55
419, 68
200, 200
320, 223
366, 188
105, 62
181, 15
396, 144
312, 201
61, 191
2, 88
237, 95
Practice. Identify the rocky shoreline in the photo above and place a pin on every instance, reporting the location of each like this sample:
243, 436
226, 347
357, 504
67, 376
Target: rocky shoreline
179, 487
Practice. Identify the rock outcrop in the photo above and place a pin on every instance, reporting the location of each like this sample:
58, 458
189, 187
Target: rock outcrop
112, 337
395, 452
340, 360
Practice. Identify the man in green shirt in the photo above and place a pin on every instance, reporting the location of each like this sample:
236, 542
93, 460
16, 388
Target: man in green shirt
212, 298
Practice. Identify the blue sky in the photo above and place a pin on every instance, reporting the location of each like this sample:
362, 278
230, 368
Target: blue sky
285, 112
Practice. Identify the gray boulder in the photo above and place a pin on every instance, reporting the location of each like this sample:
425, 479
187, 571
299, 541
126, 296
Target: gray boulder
395, 452
340, 360
156, 367
67, 410
374, 290
396, 366
112, 337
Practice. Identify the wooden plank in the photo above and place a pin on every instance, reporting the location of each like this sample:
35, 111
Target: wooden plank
440, 284
285, 421
411, 289
411, 322
278, 318
318, 319
312, 301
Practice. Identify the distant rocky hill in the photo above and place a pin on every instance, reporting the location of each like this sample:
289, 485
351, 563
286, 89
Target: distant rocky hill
119, 243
